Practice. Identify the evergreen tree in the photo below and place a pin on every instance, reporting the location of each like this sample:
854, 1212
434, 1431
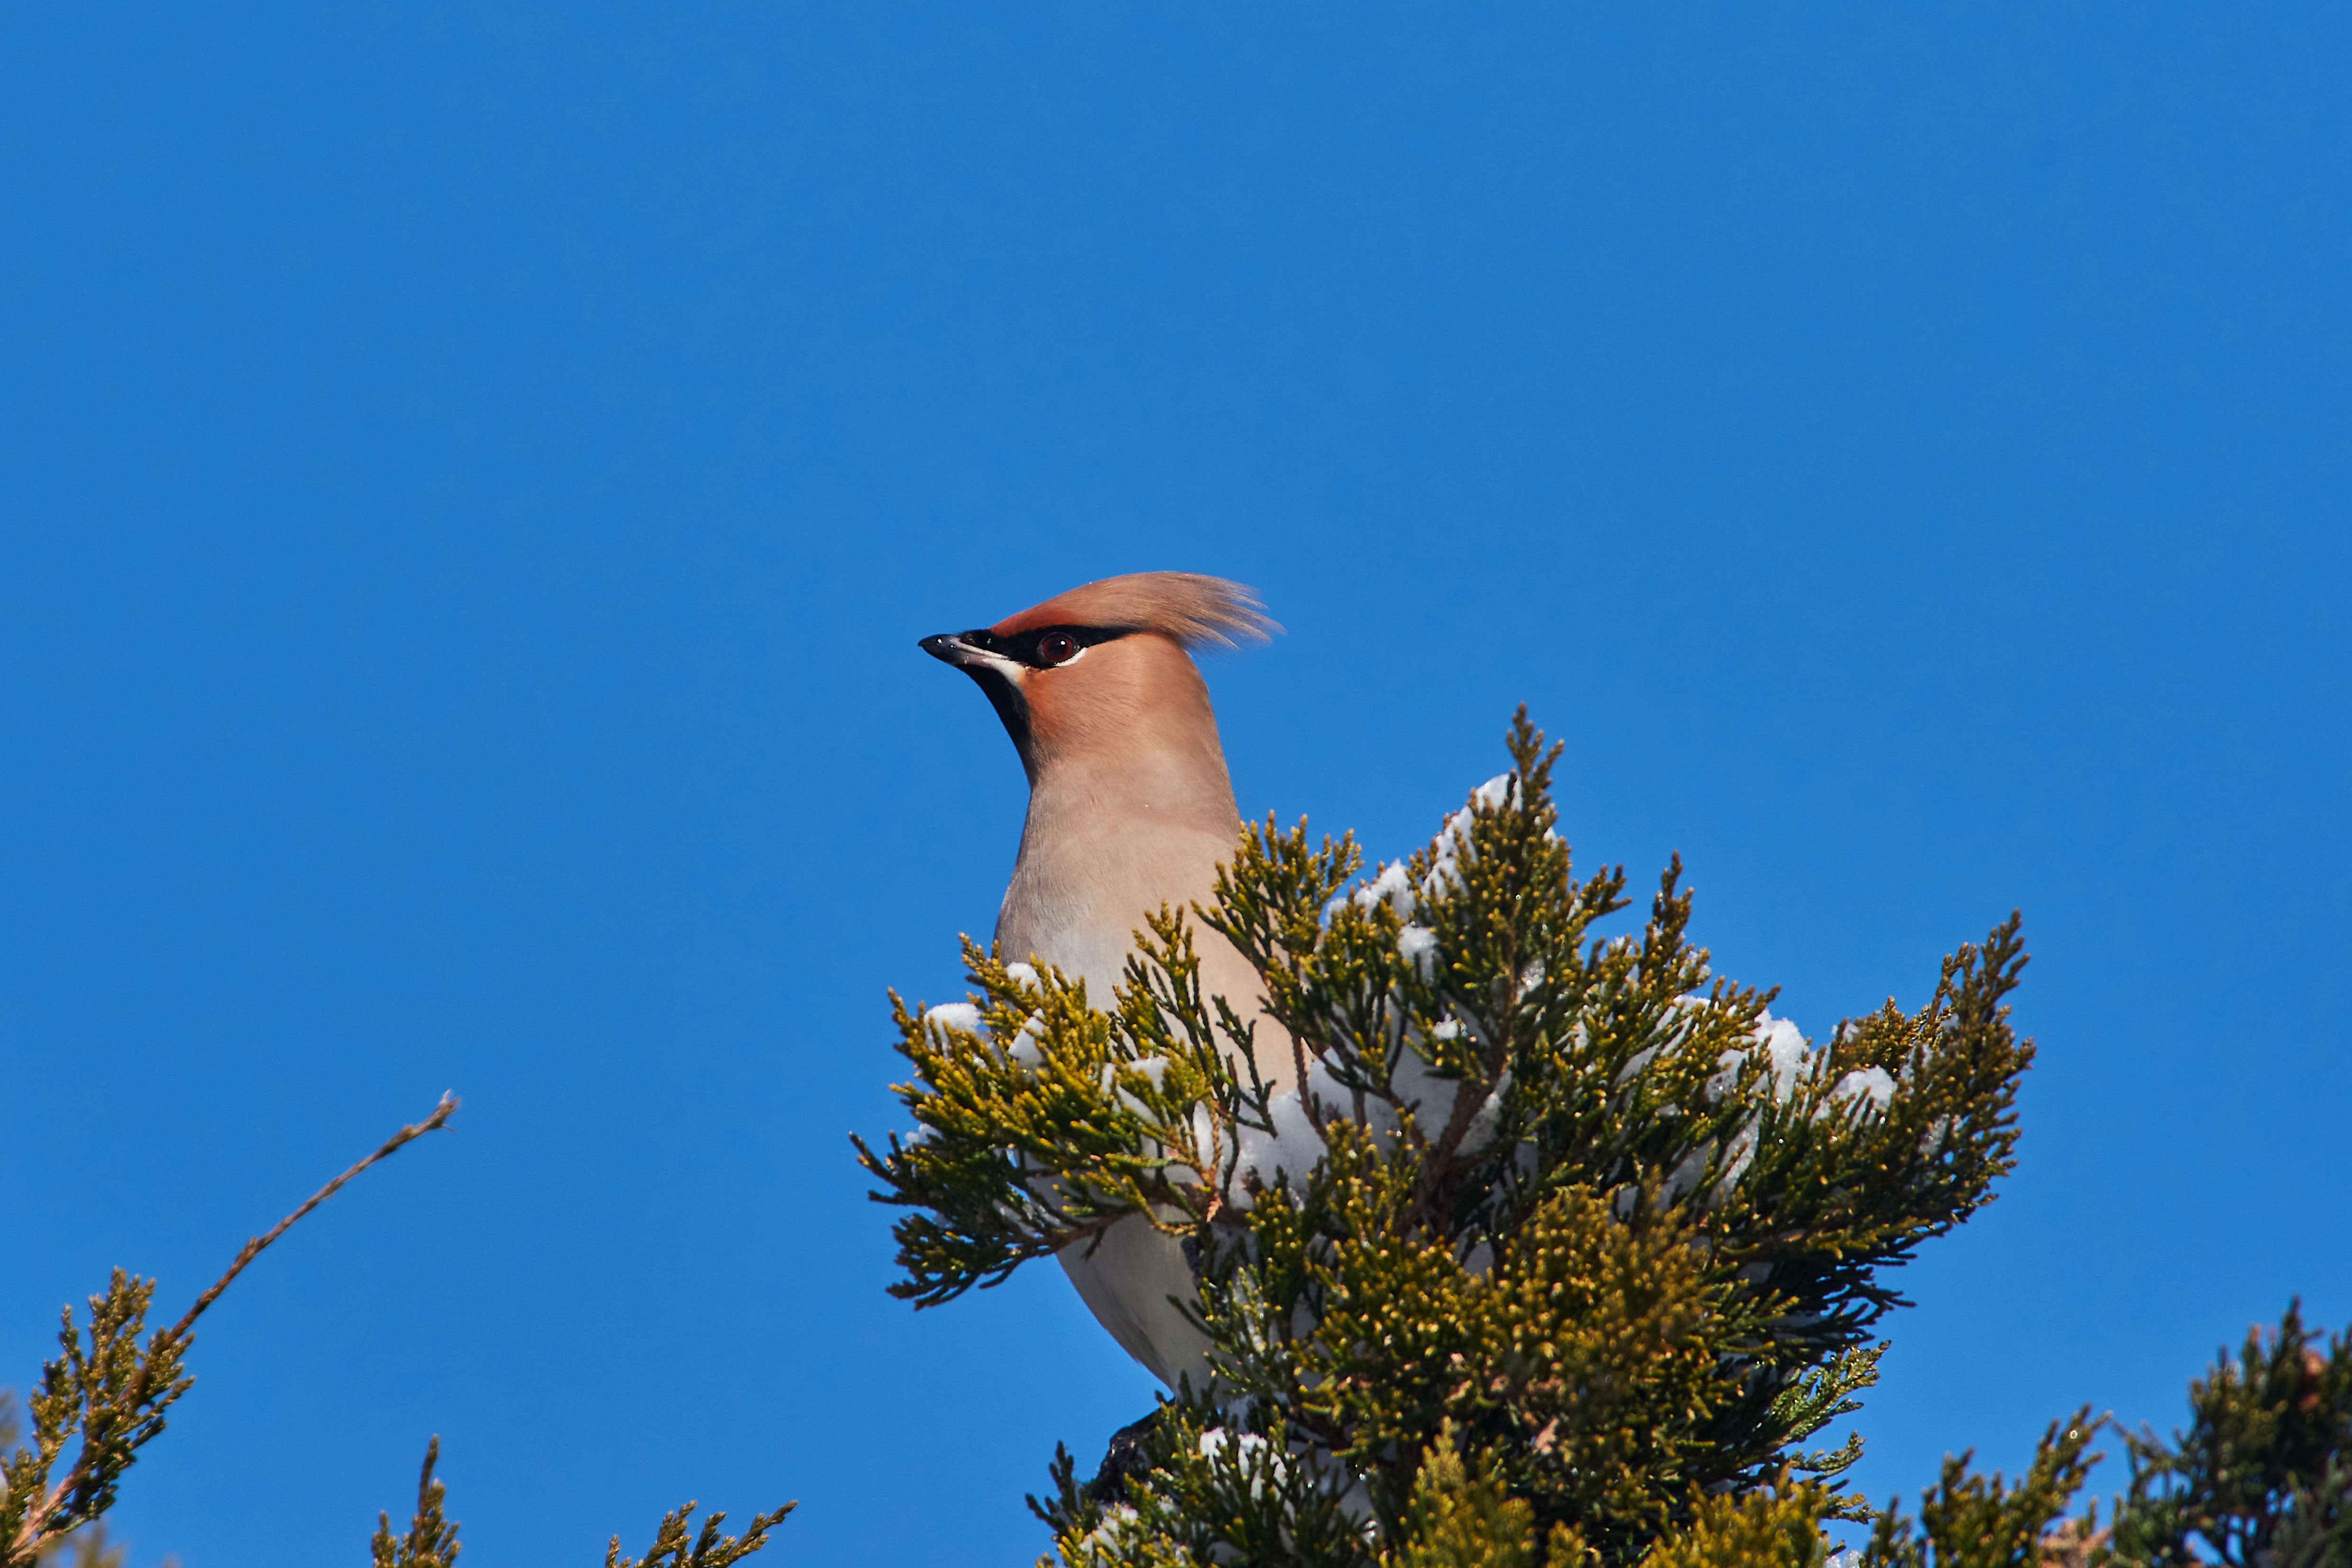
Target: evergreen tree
1563, 1251
1566, 1251
107, 1393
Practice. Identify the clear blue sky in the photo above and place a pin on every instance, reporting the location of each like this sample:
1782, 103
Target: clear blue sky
473, 478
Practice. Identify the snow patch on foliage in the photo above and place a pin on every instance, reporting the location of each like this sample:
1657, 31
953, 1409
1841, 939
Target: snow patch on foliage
1784, 1046
1786, 1056
1393, 885
1246, 1445
1291, 1150
1788, 1060
1869, 1086
950, 1019
963, 1017
1453, 839
1119, 1523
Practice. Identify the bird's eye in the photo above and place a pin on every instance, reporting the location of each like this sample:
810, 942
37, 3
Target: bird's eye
1056, 647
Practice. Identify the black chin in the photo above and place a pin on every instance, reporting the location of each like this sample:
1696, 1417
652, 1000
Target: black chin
1012, 709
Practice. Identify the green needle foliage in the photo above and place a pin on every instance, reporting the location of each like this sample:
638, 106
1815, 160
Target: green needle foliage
104, 1398
1562, 1214
672, 1548
105, 1395
1970, 1520
1562, 1255
1565, 1253
2263, 1474
432, 1538
87, 1547
1777, 1527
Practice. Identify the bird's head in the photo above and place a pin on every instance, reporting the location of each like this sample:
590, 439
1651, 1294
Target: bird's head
1103, 671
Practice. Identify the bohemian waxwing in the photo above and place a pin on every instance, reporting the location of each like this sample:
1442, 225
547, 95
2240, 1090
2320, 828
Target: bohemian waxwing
1129, 807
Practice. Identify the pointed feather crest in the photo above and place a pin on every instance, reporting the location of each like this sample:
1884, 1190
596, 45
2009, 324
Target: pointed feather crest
1186, 608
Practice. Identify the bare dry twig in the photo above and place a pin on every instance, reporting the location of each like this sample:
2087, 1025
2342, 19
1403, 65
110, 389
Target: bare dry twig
32, 1530
253, 1248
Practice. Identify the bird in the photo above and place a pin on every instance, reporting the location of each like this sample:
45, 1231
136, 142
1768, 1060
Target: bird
1130, 807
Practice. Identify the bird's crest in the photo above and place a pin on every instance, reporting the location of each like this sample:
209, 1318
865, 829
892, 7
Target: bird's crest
1186, 608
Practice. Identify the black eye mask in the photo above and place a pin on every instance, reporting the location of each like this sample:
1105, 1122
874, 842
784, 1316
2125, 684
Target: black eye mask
1032, 647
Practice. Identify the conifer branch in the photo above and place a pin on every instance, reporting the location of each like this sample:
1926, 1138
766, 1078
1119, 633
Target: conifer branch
673, 1547
1563, 1248
432, 1538
112, 1394
253, 1249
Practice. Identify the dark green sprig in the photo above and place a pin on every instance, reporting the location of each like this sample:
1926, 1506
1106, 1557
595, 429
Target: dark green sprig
105, 1390
1564, 1201
2263, 1471
432, 1538
106, 1395
673, 1547
1057, 1120
1212, 1494
1971, 1520
2260, 1478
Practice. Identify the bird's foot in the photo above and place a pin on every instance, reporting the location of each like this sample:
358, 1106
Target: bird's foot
1127, 1456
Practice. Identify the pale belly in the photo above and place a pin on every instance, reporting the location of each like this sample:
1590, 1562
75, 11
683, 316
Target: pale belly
1132, 1276
1132, 1283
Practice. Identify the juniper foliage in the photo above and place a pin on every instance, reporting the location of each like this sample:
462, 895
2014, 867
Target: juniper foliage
87, 1547
674, 1548
1568, 1201
2262, 1478
1564, 1254
2263, 1472
1972, 1521
432, 1538
105, 1397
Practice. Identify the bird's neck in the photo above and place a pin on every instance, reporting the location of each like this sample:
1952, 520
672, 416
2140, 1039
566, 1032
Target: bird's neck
1105, 845
1179, 786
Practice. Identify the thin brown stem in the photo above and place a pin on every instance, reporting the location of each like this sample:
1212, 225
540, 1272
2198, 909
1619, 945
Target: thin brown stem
255, 1248
32, 1529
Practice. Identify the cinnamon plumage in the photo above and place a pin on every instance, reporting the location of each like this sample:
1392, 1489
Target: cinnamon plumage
1130, 807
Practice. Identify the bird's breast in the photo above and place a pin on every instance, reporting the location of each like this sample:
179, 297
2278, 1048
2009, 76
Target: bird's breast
1078, 896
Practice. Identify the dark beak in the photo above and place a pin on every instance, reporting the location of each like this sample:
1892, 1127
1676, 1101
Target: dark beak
949, 648
971, 652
